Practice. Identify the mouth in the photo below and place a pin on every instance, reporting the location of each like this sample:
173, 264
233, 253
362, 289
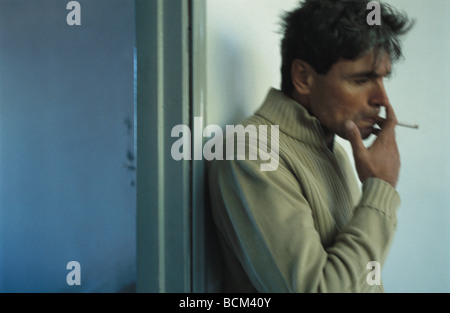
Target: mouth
371, 119
367, 126
368, 122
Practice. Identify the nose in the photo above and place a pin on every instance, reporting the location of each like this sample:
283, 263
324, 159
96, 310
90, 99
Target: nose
379, 95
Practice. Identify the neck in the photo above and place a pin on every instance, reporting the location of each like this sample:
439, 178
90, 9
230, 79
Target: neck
303, 101
329, 137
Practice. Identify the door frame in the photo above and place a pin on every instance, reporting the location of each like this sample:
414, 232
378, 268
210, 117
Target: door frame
172, 217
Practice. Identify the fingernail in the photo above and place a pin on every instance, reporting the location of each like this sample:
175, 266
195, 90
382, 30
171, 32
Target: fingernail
349, 125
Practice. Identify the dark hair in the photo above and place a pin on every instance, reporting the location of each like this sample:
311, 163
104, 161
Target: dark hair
320, 32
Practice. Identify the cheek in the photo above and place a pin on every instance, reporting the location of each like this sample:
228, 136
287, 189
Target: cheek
336, 106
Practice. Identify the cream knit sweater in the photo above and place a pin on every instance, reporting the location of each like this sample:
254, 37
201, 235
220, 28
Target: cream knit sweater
305, 227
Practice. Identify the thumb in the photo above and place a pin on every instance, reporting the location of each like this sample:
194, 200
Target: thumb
354, 137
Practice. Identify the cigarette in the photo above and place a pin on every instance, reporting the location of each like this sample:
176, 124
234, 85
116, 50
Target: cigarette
416, 126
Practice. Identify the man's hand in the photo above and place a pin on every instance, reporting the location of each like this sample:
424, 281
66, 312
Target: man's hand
382, 159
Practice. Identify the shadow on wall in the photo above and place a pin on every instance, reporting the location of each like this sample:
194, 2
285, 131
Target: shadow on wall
229, 96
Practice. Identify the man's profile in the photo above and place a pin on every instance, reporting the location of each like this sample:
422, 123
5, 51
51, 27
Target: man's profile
307, 226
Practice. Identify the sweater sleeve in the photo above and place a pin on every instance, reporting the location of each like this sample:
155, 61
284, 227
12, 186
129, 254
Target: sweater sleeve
269, 225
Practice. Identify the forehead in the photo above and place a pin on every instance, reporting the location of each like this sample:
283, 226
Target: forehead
379, 63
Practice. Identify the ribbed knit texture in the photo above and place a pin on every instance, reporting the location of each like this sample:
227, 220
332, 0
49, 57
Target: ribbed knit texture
305, 227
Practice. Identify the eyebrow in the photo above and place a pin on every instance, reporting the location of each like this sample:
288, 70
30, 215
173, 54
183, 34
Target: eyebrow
369, 74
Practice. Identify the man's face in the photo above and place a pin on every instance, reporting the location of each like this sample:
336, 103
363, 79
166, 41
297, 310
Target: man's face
351, 90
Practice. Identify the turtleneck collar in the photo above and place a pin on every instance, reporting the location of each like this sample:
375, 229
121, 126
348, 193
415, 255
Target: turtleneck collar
292, 118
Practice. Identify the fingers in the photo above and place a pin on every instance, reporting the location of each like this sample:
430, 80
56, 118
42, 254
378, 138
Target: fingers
380, 121
354, 137
390, 122
376, 131
391, 118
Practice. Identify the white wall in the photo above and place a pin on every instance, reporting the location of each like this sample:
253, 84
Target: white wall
242, 55
243, 63
420, 256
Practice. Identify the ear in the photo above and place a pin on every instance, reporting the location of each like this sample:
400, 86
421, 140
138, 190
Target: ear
302, 78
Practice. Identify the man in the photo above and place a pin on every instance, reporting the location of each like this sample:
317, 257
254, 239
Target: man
307, 226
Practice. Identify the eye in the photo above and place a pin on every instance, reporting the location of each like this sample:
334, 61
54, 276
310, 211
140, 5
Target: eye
362, 81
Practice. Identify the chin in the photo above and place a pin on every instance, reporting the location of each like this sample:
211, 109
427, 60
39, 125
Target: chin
365, 133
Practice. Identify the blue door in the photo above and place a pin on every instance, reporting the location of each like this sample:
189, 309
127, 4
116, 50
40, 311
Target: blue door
67, 146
